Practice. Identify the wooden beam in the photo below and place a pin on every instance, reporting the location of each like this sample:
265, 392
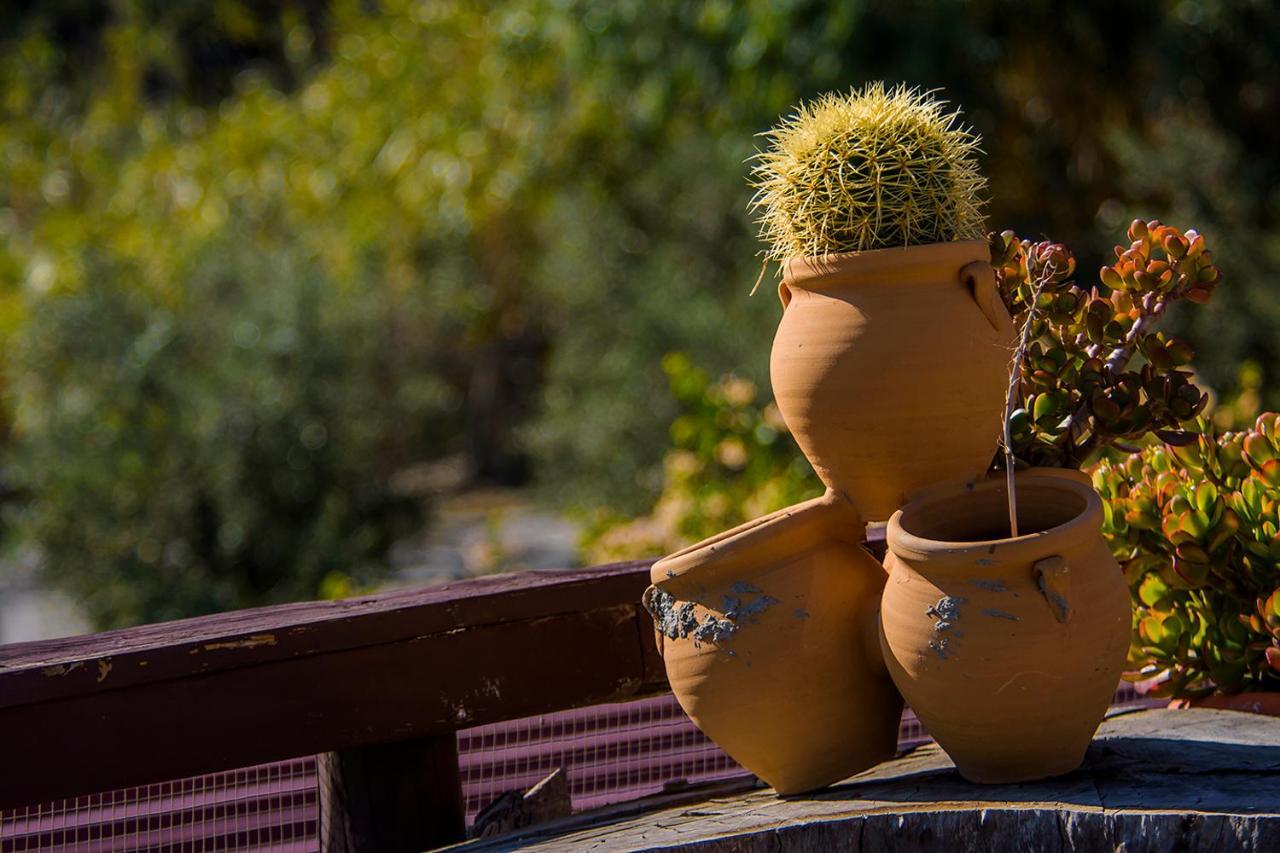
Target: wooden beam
164, 701
74, 666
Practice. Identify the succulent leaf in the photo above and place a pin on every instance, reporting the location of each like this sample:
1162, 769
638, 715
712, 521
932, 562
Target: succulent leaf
1205, 580
1075, 378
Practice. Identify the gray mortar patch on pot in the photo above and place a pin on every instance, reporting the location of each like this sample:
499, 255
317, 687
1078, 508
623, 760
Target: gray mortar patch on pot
714, 630
676, 620
1001, 614
672, 621
946, 611
735, 609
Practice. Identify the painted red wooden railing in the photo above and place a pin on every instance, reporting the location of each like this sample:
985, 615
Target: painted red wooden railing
377, 686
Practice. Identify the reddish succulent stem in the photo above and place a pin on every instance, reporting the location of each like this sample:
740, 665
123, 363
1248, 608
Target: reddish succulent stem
1116, 362
1121, 355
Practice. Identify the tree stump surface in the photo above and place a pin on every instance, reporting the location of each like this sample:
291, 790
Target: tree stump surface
1188, 780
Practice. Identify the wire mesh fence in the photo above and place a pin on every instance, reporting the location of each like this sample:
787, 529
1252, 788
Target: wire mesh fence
610, 753
266, 807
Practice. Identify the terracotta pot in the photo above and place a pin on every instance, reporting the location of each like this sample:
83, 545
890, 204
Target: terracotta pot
1253, 702
1009, 650
890, 368
769, 639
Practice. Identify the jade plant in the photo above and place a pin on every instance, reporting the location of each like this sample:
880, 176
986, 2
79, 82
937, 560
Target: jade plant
870, 169
1092, 370
1197, 529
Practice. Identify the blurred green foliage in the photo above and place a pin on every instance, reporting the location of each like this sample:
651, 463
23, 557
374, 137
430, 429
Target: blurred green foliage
543, 197
731, 460
230, 449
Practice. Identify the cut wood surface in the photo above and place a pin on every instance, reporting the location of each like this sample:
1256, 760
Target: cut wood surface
86, 714
1188, 780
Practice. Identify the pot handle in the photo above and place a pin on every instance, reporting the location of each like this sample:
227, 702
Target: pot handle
784, 294
1053, 577
981, 279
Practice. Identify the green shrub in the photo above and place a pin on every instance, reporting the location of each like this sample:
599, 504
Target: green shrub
227, 447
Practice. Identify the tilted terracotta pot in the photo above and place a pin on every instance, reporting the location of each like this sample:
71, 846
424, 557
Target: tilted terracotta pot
890, 367
769, 639
1009, 650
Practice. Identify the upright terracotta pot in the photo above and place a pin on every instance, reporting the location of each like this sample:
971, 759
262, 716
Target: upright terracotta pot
890, 367
1008, 650
768, 635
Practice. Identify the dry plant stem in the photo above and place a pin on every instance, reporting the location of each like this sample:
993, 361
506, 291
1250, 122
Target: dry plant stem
1015, 375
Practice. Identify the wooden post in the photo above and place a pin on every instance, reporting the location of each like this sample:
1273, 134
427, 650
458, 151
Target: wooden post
395, 797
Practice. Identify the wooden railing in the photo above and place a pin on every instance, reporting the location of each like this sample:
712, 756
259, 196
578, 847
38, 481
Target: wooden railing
377, 686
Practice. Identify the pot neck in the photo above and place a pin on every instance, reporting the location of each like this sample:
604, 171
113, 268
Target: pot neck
905, 265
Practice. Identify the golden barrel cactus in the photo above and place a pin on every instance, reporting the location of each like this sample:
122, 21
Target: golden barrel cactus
871, 169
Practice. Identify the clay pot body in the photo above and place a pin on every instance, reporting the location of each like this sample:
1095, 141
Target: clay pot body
1009, 650
768, 636
890, 368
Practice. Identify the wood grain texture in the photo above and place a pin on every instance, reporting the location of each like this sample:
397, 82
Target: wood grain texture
208, 694
72, 666
1194, 780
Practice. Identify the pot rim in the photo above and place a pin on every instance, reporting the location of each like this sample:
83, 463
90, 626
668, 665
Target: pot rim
897, 264
1029, 546
789, 531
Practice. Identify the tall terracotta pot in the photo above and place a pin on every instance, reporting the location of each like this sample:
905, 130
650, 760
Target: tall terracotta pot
1008, 650
768, 636
890, 367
